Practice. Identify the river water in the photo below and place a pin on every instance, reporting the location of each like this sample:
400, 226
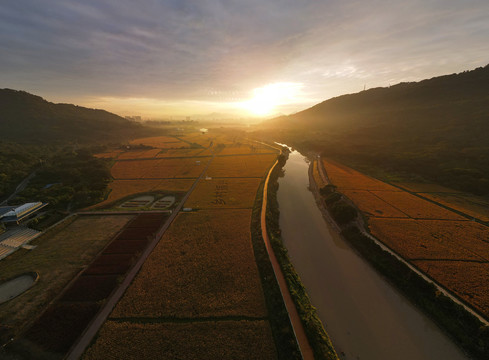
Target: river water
364, 315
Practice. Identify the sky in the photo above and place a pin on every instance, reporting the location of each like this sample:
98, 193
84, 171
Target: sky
231, 58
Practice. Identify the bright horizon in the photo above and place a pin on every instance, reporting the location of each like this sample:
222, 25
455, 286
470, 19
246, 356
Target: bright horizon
231, 59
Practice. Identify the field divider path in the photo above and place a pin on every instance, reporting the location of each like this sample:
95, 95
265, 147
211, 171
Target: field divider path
362, 227
297, 327
86, 338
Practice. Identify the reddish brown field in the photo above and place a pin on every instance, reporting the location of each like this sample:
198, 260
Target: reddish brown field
467, 280
430, 239
416, 207
159, 168
203, 266
208, 340
241, 166
58, 328
224, 193
346, 178
371, 205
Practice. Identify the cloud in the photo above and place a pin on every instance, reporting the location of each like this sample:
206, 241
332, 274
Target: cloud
183, 50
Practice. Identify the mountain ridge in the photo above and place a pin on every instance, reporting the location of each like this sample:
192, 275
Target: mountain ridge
27, 117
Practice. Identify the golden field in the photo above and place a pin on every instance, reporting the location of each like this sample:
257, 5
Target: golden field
139, 154
416, 207
467, 280
468, 204
207, 340
203, 266
159, 168
372, 205
224, 193
346, 178
241, 166
429, 239
317, 177
440, 242
179, 152
244, 149
160, 142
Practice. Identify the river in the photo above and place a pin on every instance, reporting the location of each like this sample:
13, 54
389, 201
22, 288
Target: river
364, 315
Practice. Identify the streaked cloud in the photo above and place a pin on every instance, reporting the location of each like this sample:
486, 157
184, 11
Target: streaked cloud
202, 56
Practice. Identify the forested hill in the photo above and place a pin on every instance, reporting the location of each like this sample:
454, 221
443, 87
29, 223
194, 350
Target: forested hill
444, 100
437, 129
28, 118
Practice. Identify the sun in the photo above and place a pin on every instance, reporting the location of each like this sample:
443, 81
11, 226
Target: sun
266, 99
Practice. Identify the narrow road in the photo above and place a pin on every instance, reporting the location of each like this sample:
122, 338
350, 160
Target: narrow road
77, 350
19, 187
300, 334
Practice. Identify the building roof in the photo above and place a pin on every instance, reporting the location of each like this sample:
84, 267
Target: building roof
20, 212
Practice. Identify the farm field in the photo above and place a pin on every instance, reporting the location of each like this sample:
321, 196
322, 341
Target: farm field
192, 340
62, 323
469, 204
202, 267
416, 207
161, 142
120, 189
244, 149
432, 239
440, 242
372, 205
139, 154
224, 193
317, 177
241, 166
60, 254
468, 280
179, 153
159, 168
346, 178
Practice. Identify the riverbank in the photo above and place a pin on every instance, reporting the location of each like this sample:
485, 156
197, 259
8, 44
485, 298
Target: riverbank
316, 334
464, 328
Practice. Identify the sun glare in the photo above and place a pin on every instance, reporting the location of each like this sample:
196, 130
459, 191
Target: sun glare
266, 99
